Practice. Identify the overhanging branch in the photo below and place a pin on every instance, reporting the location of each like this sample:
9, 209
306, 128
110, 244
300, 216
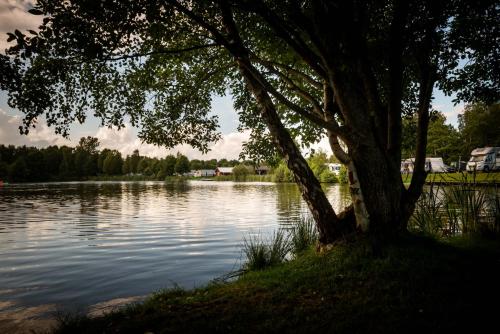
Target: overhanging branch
288, 69
162, 52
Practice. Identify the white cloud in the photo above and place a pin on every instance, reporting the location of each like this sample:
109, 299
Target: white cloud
322, 145
452, 116
451, 112
126, 142
41, 136
14, 15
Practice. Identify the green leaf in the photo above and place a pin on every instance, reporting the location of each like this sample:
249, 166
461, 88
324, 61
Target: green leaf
19, 34
11, 37
35, 11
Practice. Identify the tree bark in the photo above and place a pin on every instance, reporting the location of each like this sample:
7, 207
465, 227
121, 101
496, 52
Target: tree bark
324, 215
382, 190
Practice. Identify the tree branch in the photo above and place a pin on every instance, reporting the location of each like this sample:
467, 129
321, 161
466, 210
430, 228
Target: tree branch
218, 36
394, 122
290, 36
316, 119
301, 92
425, 96
286, 68
162, 51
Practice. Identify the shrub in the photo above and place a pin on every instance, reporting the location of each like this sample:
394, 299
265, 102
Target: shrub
327, 176
283, 174
343, 178
494, 211
468, 203
240, 172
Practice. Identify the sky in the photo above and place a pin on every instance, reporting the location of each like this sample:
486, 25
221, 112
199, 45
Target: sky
13, 15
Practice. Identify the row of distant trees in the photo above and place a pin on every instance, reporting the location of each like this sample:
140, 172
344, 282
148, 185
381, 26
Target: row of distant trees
31, 164
477, 127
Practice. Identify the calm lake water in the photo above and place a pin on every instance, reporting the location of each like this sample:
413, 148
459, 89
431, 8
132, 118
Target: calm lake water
78, 244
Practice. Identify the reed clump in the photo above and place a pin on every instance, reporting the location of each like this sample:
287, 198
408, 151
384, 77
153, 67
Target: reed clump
303, 235
262, 253
283, 244
464, 208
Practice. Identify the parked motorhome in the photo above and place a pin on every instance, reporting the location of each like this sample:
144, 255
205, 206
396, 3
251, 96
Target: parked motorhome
432, 165
484, 159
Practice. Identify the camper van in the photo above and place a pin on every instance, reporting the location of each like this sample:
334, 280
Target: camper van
432, 165
484, 159
334, 168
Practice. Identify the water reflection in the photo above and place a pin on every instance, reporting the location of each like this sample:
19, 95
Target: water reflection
76, 244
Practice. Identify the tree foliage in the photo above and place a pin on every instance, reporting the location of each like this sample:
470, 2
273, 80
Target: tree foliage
240, 172
297, 70
182, 164
53, 163
479, 126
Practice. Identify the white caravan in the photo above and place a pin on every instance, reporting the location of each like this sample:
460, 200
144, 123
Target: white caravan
484, 159
432, 165
334, 168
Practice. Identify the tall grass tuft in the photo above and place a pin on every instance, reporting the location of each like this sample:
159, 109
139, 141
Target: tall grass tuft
279, 247
428, 216
468, 203
493, 213
262, 253
303, 235
463, 208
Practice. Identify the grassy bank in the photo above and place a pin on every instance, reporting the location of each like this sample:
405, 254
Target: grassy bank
414, 285
454, 178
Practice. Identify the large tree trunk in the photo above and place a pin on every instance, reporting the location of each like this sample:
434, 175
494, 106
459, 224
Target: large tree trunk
375, 187
382, 189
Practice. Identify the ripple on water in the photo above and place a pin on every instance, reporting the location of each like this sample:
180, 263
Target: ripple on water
82, 243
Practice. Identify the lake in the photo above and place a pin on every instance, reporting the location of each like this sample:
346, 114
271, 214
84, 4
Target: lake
76, 244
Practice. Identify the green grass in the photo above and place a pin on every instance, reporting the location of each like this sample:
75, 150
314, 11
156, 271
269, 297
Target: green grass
479, 177
303, 235
414, 285
261, 254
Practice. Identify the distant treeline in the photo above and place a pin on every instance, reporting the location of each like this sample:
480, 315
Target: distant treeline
54, 163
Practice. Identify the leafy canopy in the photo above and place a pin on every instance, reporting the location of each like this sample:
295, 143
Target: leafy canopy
158, 63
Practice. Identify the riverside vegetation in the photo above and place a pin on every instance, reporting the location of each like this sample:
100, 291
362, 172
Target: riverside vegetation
296, 71
442, 277
87, 162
